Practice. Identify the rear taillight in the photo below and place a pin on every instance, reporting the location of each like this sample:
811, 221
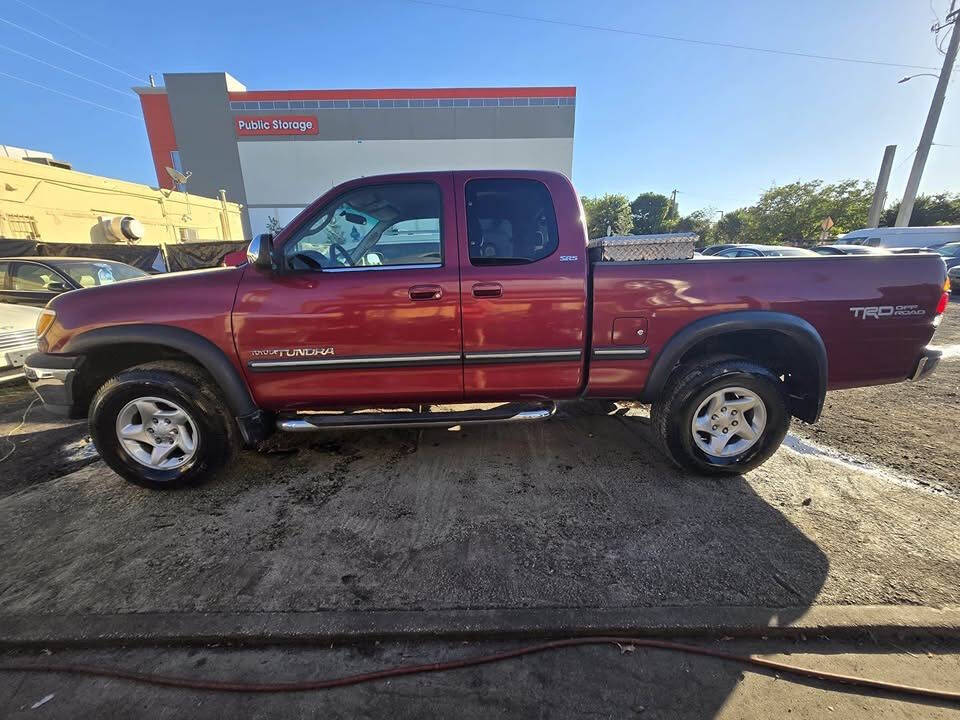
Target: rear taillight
944, 301
942, 305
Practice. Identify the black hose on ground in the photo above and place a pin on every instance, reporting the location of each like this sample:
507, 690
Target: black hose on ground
401, 670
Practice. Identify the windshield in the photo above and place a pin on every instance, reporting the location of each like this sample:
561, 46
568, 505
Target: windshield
951, 250
93, 273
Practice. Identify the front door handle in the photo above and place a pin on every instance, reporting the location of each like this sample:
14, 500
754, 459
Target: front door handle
487, 290
425, 292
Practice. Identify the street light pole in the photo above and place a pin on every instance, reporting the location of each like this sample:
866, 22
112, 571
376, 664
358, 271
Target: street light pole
930, 127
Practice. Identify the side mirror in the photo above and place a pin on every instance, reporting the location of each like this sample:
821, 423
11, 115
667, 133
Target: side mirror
260, 251
57, 287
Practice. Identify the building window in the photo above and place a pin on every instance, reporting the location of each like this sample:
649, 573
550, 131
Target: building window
178, 166
23, 227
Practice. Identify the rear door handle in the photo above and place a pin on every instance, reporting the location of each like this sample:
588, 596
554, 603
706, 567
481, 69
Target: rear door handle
425, 292
487, 290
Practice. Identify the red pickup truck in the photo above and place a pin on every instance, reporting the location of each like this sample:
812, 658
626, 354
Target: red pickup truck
393, 295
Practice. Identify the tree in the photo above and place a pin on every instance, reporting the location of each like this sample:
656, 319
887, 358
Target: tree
651, 213
791, 214
699, 222
941, 209
610, 210
729, 228
273, 225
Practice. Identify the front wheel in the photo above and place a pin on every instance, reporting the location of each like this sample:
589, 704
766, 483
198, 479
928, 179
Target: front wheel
162, 425
721, 416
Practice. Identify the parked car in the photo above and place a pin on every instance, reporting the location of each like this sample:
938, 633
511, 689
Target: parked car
714, 249
909, 250
755, 251
950, 254
235, 258
954, 275
37, 280
905, 237
848, 250
495, 302
18, 339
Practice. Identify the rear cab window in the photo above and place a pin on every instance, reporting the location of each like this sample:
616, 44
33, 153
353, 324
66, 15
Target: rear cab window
510, 221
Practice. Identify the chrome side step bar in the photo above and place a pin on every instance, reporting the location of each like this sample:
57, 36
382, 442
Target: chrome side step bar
511, 412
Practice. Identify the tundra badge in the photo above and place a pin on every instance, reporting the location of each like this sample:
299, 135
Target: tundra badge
293, 352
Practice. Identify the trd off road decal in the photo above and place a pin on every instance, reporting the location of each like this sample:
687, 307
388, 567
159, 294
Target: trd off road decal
876, 312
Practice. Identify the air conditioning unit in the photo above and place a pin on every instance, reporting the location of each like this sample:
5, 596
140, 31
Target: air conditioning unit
122, 228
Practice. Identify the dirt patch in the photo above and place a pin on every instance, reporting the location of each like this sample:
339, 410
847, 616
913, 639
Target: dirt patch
908, 427
44, 448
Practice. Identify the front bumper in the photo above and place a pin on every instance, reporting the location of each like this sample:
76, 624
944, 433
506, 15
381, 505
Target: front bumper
52, 378
926, 364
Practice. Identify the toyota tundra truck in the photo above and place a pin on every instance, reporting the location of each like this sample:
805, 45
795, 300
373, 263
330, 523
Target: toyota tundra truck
452, 298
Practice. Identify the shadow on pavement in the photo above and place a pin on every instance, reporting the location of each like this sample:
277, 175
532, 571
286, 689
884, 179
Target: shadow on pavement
581, 512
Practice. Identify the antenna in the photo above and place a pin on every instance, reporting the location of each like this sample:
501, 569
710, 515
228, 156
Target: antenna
178, 177
181, 182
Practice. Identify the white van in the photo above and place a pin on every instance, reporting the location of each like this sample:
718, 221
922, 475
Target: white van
902, 237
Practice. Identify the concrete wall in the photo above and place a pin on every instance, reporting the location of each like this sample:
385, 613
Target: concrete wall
67, 206
203, 126
359, 133
284, 174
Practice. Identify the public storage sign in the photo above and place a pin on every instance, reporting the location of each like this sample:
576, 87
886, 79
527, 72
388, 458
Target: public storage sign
276, 125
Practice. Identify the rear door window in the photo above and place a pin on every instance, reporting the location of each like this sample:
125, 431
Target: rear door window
510, 221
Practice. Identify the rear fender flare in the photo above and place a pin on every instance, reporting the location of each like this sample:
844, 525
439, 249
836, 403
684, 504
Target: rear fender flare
796, 328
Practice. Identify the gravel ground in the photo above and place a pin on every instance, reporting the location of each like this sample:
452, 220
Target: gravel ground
908, 427
577, 512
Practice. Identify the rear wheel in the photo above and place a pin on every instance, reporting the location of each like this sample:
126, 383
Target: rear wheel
162, 425
723, 416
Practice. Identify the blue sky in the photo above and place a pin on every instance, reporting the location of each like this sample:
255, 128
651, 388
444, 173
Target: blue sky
720, 125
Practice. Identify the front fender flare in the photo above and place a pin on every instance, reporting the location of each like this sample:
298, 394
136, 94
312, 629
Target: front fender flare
212, 358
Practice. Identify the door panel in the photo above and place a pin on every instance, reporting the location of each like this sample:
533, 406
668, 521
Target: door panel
523, 324
343, 337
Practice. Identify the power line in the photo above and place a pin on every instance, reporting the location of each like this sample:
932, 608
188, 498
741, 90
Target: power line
68, 95
69, 49
671, 38
125, 93
902, 162
68, 27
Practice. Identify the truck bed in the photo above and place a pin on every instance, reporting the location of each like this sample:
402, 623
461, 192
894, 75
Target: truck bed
864, 347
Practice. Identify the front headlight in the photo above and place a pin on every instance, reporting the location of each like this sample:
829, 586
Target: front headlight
45, 321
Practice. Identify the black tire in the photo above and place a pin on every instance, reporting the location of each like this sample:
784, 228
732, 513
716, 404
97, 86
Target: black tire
195, 392
672, 416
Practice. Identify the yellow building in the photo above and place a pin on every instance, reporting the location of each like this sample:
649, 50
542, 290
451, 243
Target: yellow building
41, 199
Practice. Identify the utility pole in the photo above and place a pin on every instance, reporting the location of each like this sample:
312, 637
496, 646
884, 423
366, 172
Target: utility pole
880, 192
933, 117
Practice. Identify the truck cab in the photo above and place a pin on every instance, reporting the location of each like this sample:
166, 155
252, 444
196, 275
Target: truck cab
448, 287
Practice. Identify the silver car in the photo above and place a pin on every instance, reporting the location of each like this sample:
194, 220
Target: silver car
18, 338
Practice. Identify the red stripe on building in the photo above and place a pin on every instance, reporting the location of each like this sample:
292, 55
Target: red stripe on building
156, 116
405, 93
